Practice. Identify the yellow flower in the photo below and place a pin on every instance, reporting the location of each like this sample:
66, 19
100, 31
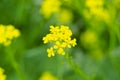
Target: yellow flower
95, 8
7, 34
50, 7
2, 76
101, 13
47, 76
61, 51
51, 52
60, 38
65, 16
94, 3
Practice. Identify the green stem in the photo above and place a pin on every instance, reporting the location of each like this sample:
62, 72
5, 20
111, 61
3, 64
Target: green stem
15, 65
76, 68
114, 32
59, 67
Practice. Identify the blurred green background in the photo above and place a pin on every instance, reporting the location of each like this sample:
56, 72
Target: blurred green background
95, 25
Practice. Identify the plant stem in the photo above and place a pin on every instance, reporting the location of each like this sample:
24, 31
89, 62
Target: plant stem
76, 68
15, 65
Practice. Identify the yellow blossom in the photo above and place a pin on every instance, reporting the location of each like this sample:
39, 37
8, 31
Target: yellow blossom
2, 76
7, 34
94, 3
61, 51
101, 13
60, 38
47, 76
51, 52
65, 16
50, 7
95, 8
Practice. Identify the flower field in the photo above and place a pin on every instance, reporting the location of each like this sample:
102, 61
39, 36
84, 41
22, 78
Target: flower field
59, 39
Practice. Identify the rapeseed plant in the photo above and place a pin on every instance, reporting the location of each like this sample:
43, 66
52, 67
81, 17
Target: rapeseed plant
60, 38
7, 34
95, 8
50, 7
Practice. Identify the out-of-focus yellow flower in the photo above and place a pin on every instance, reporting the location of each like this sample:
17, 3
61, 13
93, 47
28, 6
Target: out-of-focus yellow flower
47, 76
60, 38
89, 38
7, 34
101, 13
2, 76
50, 7
65, 16
96, 10
90, 41
94, 3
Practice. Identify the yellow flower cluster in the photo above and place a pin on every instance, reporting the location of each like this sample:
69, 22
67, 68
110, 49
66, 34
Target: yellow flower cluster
2, 76
90, 41
60, 38
96, 9
50, 7
47, 76
7, 33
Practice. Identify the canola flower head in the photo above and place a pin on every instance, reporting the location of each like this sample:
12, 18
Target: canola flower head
2, 76
50, 7
7, 34
60, 38
47, 76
